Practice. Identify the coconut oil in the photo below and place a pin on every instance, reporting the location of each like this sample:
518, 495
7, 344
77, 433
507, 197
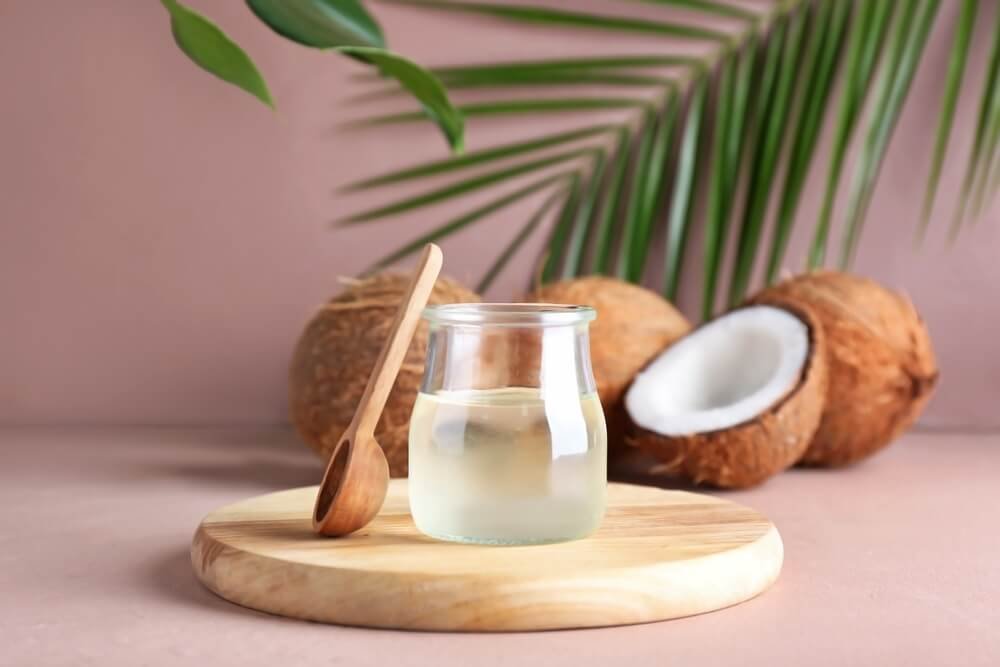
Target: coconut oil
507, 466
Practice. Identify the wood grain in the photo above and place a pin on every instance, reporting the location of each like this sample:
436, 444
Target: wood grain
658, 555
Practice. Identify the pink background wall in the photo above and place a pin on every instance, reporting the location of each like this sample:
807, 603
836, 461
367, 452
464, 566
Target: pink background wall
163, 237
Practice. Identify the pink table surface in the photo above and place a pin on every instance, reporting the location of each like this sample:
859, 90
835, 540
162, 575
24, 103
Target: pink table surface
893, 562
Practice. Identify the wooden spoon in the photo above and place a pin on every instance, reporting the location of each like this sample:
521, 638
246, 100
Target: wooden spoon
357, 476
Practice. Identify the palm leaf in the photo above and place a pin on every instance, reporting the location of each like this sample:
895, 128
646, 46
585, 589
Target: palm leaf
653, 187
991, 90
768, 147
601, 63
994, 169
863, 51
544, 78
772, 78
816, 84
731, 124
568, 19
953, 86
624, 267
479, 157
679, 220
561, 232
468, 185
510, 107
467, 219
717, 222
583, 225
895, 85
710, 7
511, 249
609, 205
992, 137
747, 61
586, 71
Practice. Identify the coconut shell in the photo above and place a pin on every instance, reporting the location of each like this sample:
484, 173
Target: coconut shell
633, 326
746, 454
337, 352
882, 365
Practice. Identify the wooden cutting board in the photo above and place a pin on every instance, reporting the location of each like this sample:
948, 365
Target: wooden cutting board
658, 555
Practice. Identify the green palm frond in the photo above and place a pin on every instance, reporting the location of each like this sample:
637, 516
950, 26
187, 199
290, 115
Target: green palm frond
631, 227
566, 65
828, 19
576, 20
953, 86
738, 124
864, 46
475, 215
562, 230
468, 185
983, 150
772, 126
718, 196
522, 236
907, 46
606, 227
514, 107
479, 157
586, 214
679, 219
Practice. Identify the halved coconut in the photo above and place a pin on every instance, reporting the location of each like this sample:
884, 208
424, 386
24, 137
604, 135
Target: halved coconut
733, 402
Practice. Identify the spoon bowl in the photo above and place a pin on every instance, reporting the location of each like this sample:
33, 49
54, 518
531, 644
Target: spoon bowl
353, 488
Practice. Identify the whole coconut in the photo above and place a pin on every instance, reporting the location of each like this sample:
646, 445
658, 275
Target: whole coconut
881, 365
633, 325
336, 353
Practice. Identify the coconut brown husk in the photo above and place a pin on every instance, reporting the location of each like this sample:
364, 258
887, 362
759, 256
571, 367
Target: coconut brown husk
746, 454
882, 365
336, 353
633, 325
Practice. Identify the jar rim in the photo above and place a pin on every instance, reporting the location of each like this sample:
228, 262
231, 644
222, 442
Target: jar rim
509, 314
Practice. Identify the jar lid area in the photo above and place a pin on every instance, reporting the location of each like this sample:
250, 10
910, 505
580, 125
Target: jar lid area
511, 314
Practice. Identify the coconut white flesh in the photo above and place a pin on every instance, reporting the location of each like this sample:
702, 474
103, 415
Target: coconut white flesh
722, 374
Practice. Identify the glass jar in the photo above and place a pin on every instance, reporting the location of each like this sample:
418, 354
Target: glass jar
507, 439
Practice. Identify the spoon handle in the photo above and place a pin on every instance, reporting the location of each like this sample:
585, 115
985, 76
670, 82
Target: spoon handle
394, 351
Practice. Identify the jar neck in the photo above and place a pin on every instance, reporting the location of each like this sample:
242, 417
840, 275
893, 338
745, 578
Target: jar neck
550, 358
527, 315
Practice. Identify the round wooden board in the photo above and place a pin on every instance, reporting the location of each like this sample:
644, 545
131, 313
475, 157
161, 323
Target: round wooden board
658, 555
